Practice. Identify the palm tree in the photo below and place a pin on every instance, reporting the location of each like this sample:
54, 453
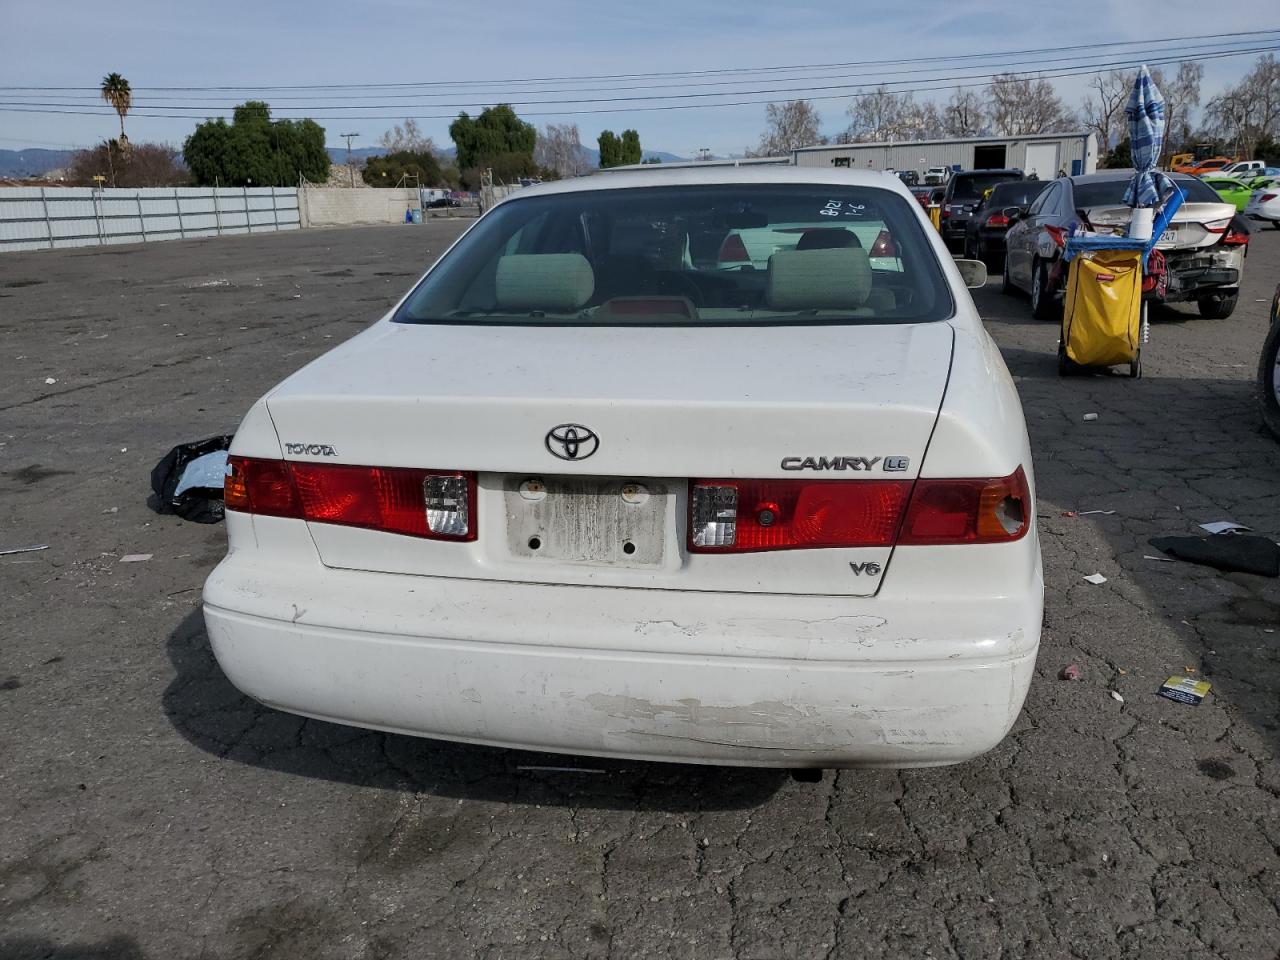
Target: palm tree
116, 91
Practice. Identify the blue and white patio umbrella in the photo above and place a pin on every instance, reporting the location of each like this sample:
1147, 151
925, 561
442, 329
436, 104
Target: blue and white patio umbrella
1145, 112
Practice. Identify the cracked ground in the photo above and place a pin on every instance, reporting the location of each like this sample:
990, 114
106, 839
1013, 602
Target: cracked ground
149, 810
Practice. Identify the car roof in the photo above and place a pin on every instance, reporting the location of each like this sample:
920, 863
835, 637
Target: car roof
691, 176
1104, 175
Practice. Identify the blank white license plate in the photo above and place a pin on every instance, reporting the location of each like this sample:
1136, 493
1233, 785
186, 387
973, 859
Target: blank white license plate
586, 519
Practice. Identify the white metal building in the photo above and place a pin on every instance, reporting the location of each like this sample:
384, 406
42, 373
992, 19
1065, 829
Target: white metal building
1045, 154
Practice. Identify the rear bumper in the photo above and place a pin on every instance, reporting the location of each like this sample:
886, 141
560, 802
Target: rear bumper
1195, 275
742, 679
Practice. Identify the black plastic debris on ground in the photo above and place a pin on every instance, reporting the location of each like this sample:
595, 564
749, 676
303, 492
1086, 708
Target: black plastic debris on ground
1239, 552
188, 480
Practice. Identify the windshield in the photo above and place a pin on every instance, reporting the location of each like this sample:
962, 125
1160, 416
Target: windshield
973, 187
724, 254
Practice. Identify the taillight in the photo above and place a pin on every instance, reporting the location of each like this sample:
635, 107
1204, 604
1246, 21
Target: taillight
1268, 197
735, 516
733, 250
417, 503
884, 245
968, 511
1057, 234
1217, 226
1235, 238
997, 220
946, 211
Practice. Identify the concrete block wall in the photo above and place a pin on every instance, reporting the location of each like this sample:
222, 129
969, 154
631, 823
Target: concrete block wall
337, 206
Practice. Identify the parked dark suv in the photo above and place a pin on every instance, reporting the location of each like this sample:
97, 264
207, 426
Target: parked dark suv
990, 220
965, 191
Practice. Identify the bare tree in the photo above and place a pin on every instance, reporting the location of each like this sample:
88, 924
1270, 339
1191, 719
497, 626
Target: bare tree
1022, 105
407, 138
1103, 108
559, 148
788, 126
881, 115
1250, 111
1181, 93
964, 115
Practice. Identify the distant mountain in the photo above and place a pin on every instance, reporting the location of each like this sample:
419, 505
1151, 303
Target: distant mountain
358, 154
32, 162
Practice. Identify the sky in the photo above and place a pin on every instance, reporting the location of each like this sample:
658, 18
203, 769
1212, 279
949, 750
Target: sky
166, 44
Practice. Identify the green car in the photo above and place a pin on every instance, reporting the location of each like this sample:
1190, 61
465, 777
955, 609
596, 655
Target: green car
1231, 190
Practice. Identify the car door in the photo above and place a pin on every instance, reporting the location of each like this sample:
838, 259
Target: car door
1029, 230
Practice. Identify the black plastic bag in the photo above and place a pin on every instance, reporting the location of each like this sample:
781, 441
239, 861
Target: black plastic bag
1245, 553
188, 481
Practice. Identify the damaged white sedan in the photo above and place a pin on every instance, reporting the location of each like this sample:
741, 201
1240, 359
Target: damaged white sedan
611, 481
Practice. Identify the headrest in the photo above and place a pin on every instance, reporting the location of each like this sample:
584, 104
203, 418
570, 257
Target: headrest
556, 282
838, 279
827, 238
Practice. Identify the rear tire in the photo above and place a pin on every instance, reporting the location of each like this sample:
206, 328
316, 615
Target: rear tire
1043, 306
1217, 307
1269, 380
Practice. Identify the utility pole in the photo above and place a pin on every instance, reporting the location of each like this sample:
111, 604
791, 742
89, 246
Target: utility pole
350, 167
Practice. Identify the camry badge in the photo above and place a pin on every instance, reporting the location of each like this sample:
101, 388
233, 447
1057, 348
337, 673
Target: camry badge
572, 441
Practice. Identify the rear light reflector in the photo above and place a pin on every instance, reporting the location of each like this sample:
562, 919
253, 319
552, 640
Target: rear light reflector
417, 503
736, 516
997, 220
968, 511
733, 250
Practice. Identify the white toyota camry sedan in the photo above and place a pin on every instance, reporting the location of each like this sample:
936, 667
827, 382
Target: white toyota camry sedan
601, 483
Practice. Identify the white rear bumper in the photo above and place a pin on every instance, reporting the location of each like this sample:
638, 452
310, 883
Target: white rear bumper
749, 679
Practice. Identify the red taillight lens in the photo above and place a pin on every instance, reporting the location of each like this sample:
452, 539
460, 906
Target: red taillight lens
1235, 238
1057, 234
1268, 197
997, 220
260, 486
884, 245
968, 511
735, 516
417, 503
733, 250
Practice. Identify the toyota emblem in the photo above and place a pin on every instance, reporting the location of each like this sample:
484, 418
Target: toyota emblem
572, 441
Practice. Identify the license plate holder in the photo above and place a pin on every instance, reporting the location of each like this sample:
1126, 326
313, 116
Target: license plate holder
592, 520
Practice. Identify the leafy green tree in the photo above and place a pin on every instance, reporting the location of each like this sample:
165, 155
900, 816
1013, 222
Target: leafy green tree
255, 150
610, 149
497, 137
116, 91
1121, 155
630, 144
388, 170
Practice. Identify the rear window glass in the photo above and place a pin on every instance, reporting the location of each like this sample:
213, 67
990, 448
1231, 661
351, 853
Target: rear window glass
973, 187
725, 254
1111, 192
1019, 193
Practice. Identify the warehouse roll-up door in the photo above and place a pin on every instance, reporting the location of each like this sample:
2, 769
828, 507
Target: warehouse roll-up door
1042, 160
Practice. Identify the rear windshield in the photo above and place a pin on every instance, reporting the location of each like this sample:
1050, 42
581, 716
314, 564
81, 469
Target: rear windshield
1019, 193
732, 254
1110, 192
972, 187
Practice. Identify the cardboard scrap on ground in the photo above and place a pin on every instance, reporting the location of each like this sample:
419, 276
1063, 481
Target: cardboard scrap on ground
135, 557
1096, 578
1223, 526
1184, 690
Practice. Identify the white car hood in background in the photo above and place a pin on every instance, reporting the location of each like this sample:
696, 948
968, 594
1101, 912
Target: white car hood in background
664, 401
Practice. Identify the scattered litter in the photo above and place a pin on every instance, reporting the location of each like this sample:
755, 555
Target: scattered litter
50, 381
1241, 552
558, 769
1089, 417
136, 557
1070, 513
207, 283
112, 510
124, 449
1115, 695
1085, 513
1071, 672
297, 296
1184, 690
31, 549
1096, 578
1147, 556
1223, 526
188, 480
1189, 670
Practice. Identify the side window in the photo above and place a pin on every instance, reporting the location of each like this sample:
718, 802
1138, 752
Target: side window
1043, 202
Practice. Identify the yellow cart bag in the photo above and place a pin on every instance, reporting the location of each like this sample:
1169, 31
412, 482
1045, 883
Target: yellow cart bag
1102, 322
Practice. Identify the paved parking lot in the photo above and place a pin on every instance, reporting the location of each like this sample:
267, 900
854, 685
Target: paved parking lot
148, 810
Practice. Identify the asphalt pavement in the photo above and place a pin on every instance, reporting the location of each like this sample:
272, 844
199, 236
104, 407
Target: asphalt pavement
149, 810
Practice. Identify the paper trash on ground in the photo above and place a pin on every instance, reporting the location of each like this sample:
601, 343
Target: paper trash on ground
31, 549
1223, 526
1096, 578
135, 557
1184, 690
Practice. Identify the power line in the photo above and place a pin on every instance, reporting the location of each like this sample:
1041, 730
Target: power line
683, 73
848, 92
284, 105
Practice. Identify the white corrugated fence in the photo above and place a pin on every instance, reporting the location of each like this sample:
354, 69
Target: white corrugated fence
36, 218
